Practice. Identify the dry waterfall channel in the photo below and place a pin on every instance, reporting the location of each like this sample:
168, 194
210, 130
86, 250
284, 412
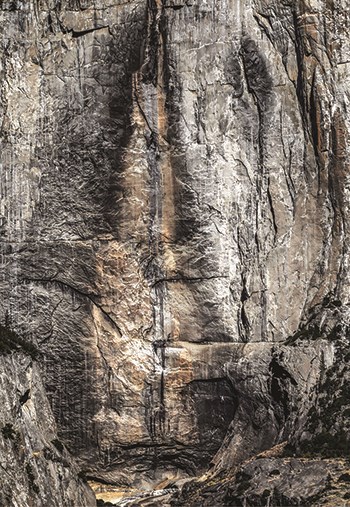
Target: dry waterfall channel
174, 268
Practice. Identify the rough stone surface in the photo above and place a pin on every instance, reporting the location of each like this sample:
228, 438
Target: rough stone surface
276, 482
36, 469
174, 229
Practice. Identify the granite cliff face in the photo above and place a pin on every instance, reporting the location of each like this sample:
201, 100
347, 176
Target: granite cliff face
174, 240
36, 468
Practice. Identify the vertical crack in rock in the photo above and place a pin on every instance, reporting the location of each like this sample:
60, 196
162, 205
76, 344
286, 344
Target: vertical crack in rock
259, 83
149, 90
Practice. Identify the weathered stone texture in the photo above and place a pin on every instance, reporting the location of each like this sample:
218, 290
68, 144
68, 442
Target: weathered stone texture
36, 468
174, 207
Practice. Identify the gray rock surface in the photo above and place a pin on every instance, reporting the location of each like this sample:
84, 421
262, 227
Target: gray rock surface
36, 469
311, 464
174, 227
277, 482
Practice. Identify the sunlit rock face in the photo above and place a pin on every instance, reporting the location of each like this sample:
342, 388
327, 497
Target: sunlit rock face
174, 207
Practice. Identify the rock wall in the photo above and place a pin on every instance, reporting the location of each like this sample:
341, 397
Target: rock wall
36, 468
174, 203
